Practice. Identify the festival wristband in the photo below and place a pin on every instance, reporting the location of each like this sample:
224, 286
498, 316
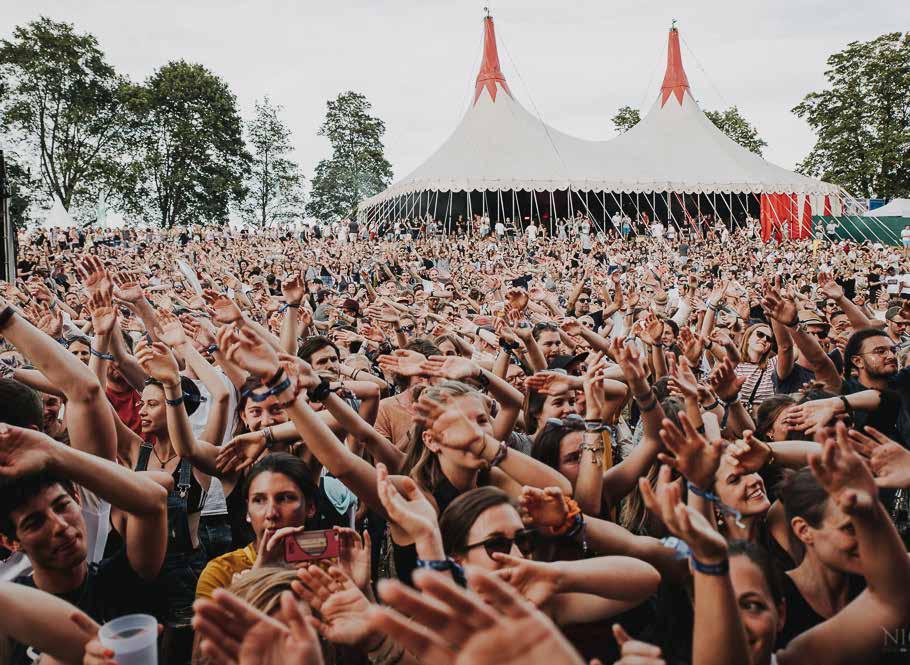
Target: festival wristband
101, 354
714, 569
443, 565
177, 401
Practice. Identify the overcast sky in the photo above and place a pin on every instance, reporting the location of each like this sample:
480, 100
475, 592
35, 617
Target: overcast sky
573, 62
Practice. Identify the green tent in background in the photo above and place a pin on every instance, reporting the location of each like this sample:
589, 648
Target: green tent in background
886, 230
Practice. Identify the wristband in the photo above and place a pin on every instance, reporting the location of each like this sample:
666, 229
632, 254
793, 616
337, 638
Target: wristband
597, 426
212, 348
847, 408
285, 307
500, 454
274, 390
713, 405
62, 342
100, 354
320, 393
482, 379
715, 569
443, 565
713, 498
276, 378
177, 401
571, 521
6, 315
508, 346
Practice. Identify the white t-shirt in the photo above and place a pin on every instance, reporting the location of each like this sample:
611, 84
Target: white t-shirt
500, 228
905, 233
532, 233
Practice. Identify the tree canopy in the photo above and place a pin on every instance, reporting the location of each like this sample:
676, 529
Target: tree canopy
357, 168
862, 119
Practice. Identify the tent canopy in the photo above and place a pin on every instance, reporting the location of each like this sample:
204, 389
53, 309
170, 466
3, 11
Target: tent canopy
894, 208
499, 145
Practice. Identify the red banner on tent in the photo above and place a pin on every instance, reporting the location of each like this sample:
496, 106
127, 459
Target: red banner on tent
781, 217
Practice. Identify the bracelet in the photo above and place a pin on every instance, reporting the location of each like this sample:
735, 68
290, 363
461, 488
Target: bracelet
649, 407
211, 348
6, 315
443, 565
477, 332
177, 401
573, 511
597, 426
100, 354
500, 454
276, 378
713, 405
355, 373
508, 346
713, 498
274, 390
54, 304
847, 408
62, 341
728, 404
320, 393
594, 450
482, 380
710, 306
285, 307
715, 569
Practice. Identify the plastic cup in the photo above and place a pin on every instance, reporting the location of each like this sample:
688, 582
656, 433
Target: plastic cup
133, 639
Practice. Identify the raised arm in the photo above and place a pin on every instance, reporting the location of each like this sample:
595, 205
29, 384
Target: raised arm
89, 419
25, 452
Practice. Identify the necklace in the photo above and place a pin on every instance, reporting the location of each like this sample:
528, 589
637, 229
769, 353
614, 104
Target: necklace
165, 462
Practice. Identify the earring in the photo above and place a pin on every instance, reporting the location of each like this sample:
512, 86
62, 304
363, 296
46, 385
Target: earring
248, 519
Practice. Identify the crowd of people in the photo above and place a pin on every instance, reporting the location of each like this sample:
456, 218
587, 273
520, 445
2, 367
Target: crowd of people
476, 449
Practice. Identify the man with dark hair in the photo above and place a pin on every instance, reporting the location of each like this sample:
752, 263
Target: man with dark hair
20, 405
41, 516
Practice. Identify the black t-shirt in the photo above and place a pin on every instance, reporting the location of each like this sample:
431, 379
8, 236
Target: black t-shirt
892, 417
800, 615
110, 589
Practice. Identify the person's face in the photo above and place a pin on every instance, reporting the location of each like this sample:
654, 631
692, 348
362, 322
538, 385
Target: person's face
583, 304
501, 520
549, 343
152, 410
434, 275
259, 415
743, 492
897, 327
274, 502
570, 455
52, 406
833, 541
877, 357
761, 618
558, 405
351, 289
115, 378
408, 328
667, 337
840, 323
72, 299
50, 529
760, 342
325, 361
516, 377
81, 351
780, 430
475, 410
447, 348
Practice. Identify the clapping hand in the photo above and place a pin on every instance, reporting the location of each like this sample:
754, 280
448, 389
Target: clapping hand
889, 460
692, 455
843, 474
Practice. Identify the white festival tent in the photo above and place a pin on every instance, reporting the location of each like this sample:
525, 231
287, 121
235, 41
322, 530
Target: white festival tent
501, 160
894, 208
58, 218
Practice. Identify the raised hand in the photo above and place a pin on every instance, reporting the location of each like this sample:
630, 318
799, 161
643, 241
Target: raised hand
692, 455
748, 455
841, 471
721, 338
454, 368
403, 363
684, 522
158, 362
549, 383
828, 287
724, 381
127, 287
535, 580
92, 274
571, 326
354, 556
23, 451
889, 460
411, 511
682, 378
812, 416
241, 452
631, 364
635, 652
449, 425
49, 321
170, 329
103, 313
246, 349
342, 607
779, 307
545, 508
650, 328
293, 289
517, 298
225, 309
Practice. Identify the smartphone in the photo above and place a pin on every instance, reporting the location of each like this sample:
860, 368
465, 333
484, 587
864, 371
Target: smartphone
311, 546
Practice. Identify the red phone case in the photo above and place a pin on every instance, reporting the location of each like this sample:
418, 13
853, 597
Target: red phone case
311, 546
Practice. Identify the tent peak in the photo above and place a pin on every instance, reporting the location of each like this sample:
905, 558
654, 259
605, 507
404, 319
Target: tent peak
490, 74
675, 81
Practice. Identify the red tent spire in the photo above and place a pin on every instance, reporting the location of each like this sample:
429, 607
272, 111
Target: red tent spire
675, 81
489, 73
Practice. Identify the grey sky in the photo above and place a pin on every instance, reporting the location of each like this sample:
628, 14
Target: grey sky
574, 62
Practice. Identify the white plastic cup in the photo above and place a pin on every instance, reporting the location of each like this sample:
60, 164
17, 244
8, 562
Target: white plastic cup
133, 639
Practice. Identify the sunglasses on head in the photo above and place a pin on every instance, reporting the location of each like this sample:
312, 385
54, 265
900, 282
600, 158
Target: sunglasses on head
524, 539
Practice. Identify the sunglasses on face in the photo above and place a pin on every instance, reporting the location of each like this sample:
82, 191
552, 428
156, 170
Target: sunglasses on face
524, 539
761, 334
408, 329
584, 300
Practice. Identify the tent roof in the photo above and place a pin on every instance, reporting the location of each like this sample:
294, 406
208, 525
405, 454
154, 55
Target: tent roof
894, 208
499, 145
58, 217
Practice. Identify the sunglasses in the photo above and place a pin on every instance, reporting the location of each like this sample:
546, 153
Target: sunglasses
584, 300
525, 539
408, 329
763, 335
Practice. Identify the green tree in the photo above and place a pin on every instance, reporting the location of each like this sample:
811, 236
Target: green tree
25, 190
862, 119
736, 127
357, 168
64, 103
189, 159
274, 194
625, 119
